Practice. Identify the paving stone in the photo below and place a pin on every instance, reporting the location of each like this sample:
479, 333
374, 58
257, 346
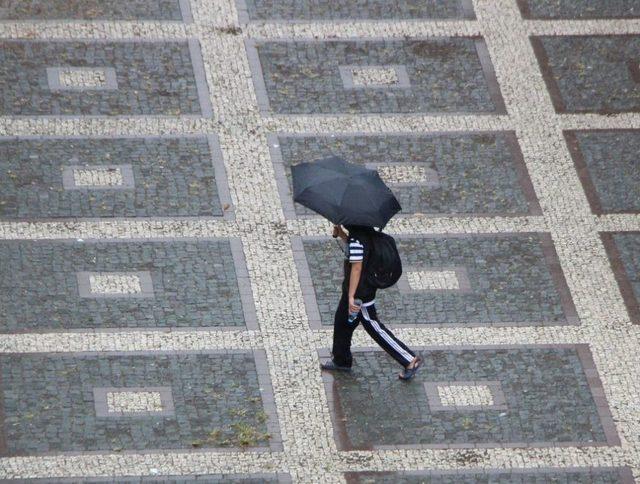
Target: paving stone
49, 405
591, 73
153, 78
517, 476
512, 280
579, 9
607, 164
306, 10
542, 386
479, 174
444, 75
90, 10
201, 479
169, 177
623, 249
193, 284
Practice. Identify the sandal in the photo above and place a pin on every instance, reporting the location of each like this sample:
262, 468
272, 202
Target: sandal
409, 373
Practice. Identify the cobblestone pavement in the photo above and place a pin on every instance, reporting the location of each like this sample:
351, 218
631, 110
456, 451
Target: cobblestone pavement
165, 305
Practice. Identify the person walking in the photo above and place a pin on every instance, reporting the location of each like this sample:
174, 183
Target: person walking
357, 306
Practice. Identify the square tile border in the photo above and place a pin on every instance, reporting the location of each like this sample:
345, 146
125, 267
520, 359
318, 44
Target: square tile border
553, 89
100, 395
346, 74
217, 161
631, 302
266, 394
435, 403
53, 79
550, 257
262, 96
199, 77
84, 285
588, 365
184, 6
626, 475
524, 180
242, 277
461, 274
583, 171
525, 11
282, 477
69, 183
243, 17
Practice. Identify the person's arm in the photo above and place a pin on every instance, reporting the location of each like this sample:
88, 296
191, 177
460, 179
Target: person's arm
338, 232
354, 280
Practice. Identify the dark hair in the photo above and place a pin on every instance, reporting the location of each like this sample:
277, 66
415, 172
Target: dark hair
359, 229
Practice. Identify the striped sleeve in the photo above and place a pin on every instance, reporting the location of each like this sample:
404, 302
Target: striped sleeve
356, 250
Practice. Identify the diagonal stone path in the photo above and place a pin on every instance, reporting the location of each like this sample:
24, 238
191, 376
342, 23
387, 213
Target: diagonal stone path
304, 411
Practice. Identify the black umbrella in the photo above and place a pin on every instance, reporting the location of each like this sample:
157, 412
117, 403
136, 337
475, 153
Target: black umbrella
344, 193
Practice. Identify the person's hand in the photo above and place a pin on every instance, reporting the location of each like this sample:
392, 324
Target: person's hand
353, 307
338, 232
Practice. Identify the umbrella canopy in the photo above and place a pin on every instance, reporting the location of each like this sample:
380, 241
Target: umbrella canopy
344, 193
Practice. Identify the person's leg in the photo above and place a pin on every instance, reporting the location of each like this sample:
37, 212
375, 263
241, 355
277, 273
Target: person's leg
342, 334
385, 338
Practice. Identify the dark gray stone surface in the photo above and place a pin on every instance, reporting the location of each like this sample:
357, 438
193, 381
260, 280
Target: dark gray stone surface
513, 280
516, 476
287, 10
446, 75
90, 10
624, 252
579, 9
154, 78
607, 162
591, 74
195, 284
547, 393
477, 173
172, 177
48, 402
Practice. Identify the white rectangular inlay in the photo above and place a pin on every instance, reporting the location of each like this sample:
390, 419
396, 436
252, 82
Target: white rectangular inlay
461, 396
114, 284
416, 279
465, 395
81, 78
133, 401
368, 76
97, 177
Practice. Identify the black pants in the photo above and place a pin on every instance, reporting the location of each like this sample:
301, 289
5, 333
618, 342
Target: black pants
343, 331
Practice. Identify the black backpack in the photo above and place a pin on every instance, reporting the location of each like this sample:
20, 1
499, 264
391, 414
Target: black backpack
384, 267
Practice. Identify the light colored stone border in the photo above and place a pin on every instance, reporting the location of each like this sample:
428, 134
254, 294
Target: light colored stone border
461, 275
281, 477
432, 181
199, 78
435, 404
69, 183
53, 79
550, 258
84, 285
468, 13
102, 410
346, 74
262, 95
588, 366
217, 160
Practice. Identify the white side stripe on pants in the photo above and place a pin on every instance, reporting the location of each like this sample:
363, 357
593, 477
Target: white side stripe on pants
386, 336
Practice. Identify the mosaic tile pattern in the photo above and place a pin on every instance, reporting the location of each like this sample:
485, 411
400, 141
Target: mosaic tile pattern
446, 75
607, 164
217, 402
465, 395
205, 479
466, 173
542, 386
154, 78
591, 74
195, 284
516, 476
169, 177
90, 10
513, 279
83, 78
123, 401
296, 10
623, 249
432, 280
579, 9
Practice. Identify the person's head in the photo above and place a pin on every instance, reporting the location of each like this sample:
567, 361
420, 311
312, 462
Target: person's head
353, 229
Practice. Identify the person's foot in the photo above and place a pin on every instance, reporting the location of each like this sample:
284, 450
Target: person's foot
411, 370
333, 366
